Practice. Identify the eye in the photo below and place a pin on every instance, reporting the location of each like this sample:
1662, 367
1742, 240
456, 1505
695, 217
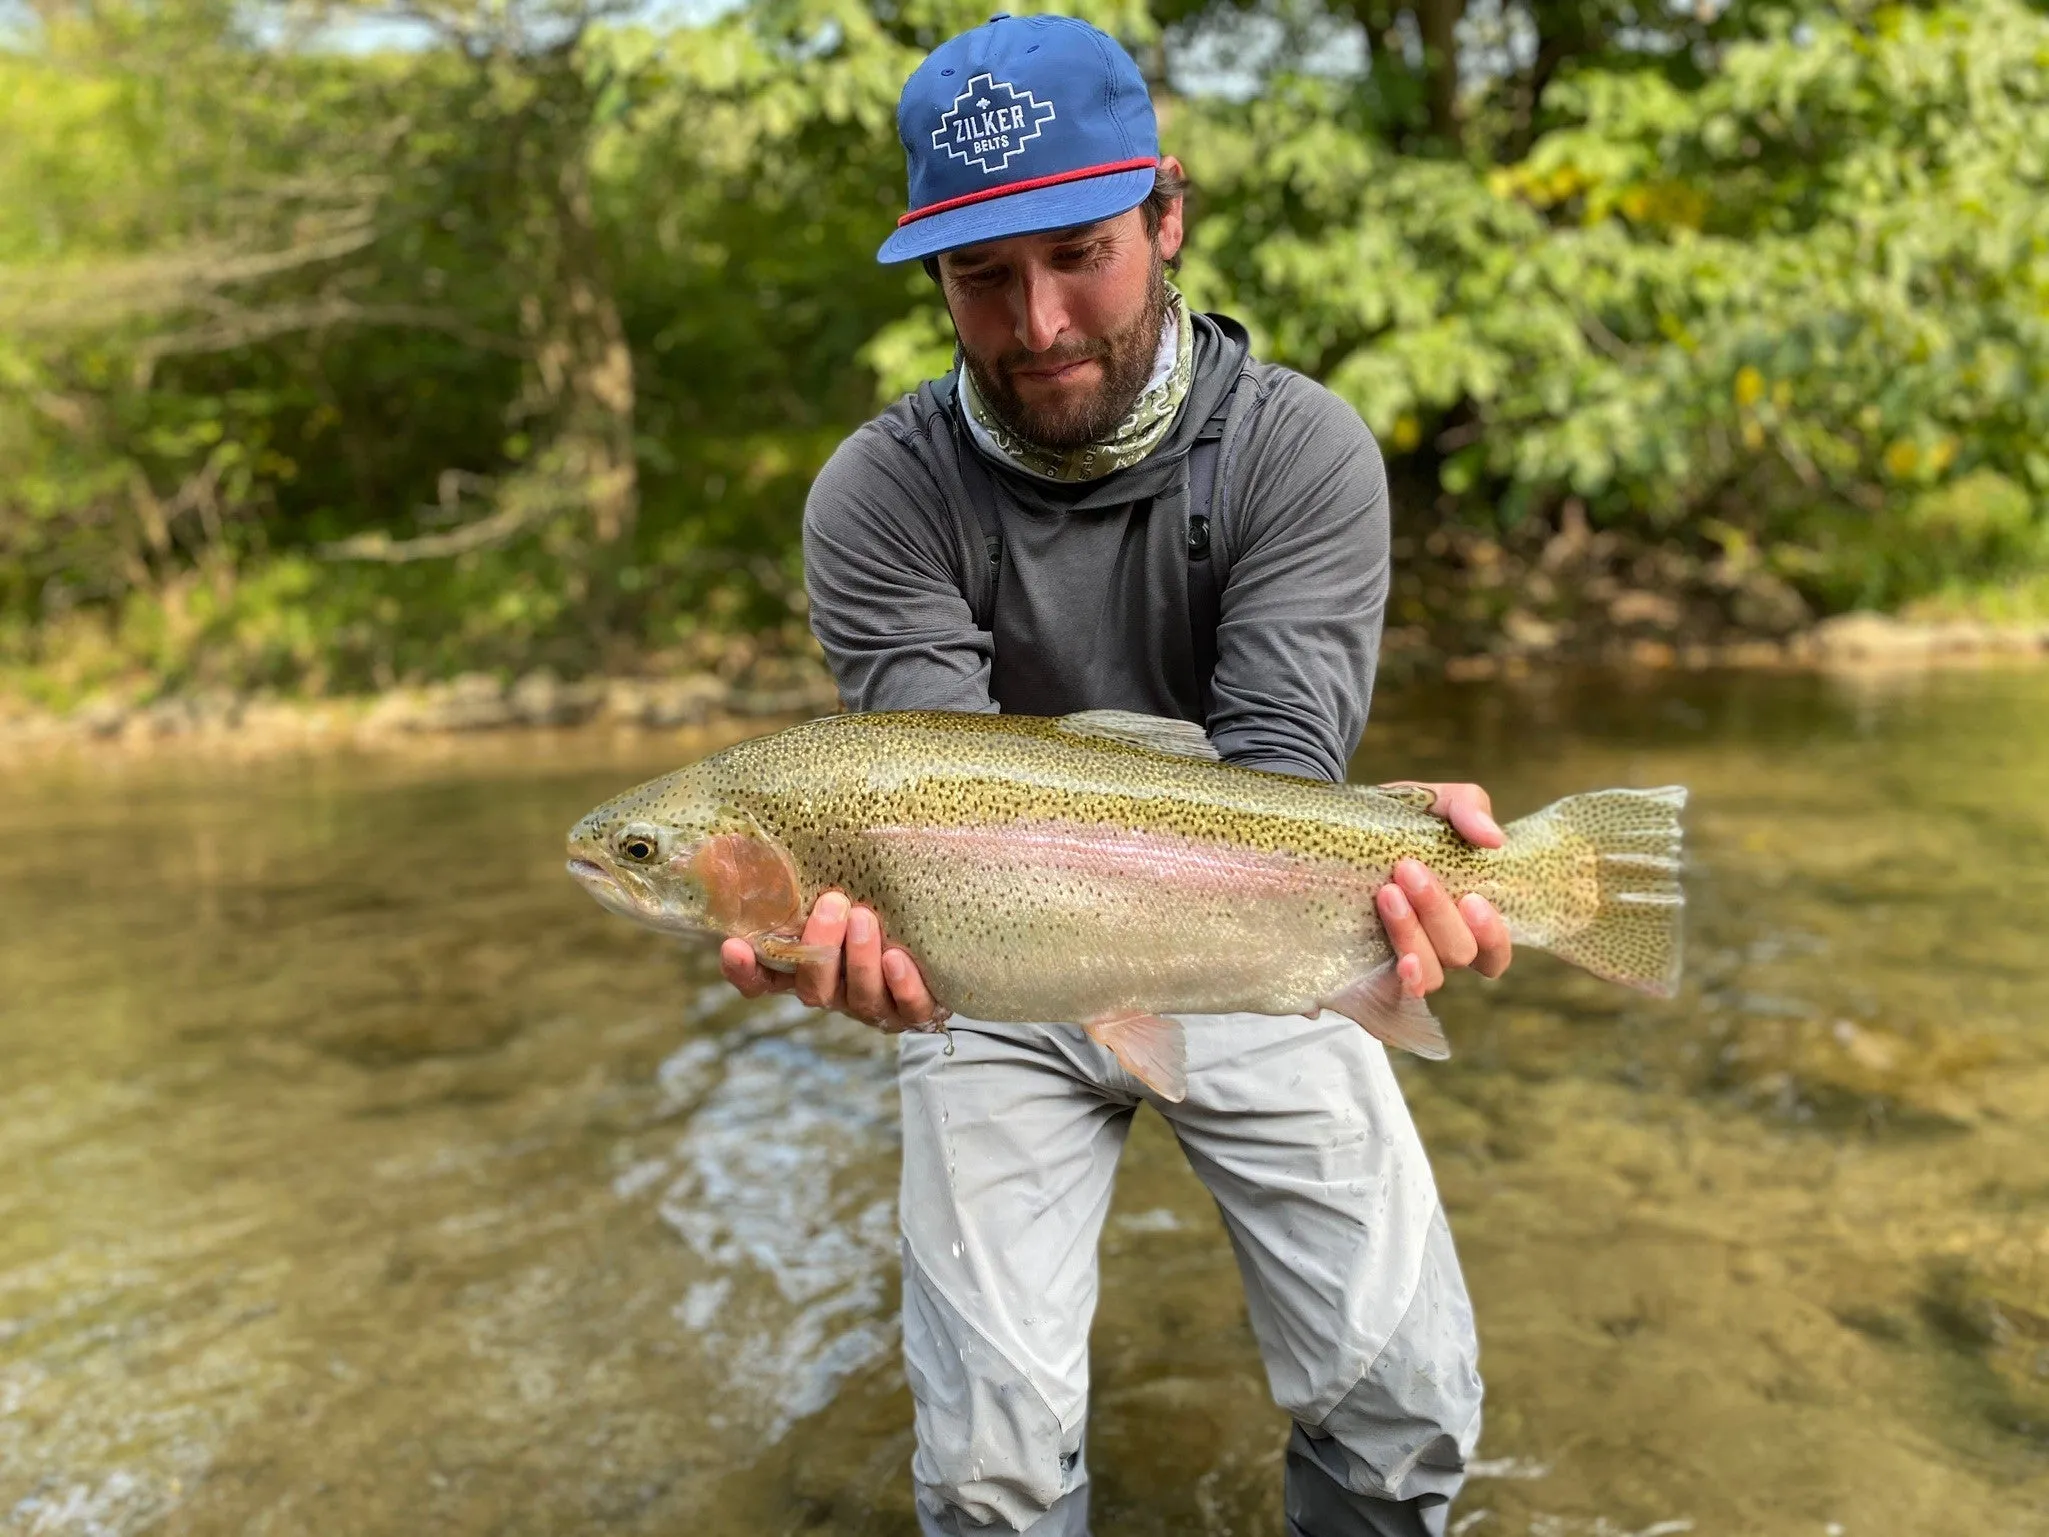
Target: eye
642, 845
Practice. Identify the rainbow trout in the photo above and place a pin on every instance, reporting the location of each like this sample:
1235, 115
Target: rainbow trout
1105, 869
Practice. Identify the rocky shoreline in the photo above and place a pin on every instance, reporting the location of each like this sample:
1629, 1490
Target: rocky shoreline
1847, 642
482, 706
476, 705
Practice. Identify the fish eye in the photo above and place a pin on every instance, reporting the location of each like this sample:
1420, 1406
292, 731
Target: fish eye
639, 844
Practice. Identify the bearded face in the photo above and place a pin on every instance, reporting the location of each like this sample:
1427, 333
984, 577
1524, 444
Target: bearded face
1045, 398
1060, 330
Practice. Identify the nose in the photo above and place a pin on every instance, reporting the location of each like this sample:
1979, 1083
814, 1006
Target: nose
1038, 310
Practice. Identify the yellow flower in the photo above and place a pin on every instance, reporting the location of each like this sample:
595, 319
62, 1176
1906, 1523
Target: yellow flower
1749, 386
1902, 459
1408, 432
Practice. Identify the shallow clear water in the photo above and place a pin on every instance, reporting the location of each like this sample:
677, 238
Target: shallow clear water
358, 1174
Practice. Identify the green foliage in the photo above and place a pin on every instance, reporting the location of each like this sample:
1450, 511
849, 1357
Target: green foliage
322, 368
1800, 299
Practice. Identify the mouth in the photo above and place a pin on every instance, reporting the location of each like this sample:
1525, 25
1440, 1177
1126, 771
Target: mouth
1054, 373
629, 897
608, 890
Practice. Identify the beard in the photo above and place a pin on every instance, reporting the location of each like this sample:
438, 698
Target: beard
1127, 357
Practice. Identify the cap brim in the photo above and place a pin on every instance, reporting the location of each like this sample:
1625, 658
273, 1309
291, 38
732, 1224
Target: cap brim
1021, 213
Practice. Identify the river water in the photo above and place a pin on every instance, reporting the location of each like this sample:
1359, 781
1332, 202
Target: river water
357, 1174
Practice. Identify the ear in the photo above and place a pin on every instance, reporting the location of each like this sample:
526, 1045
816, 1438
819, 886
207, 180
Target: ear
1173, 227
748, 882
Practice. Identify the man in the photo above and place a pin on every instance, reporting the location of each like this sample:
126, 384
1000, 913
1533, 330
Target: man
1109, 504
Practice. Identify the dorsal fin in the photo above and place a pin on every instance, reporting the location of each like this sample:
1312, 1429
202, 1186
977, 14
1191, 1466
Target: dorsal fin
1180, 738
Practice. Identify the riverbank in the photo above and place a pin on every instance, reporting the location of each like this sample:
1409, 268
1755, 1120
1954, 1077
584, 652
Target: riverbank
481, 707
1847, 642
474, 706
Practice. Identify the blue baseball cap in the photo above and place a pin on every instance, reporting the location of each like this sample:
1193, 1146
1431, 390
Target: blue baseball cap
1026, 124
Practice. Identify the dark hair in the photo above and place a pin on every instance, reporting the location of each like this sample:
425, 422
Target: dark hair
1169, 188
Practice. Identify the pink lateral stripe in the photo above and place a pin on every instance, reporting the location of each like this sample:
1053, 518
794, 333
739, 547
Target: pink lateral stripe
1179, 864
1143, 162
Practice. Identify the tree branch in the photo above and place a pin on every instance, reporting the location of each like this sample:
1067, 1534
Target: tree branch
241, 327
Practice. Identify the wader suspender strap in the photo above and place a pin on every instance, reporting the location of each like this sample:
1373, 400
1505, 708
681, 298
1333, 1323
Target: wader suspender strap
1206, 545
974, 475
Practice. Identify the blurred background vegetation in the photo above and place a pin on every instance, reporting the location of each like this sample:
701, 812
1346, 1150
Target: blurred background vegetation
344, 346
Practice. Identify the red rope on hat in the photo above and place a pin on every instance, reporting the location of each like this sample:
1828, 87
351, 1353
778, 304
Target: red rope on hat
1142, 163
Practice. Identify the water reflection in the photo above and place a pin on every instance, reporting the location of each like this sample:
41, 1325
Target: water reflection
357, 1173
781, 1188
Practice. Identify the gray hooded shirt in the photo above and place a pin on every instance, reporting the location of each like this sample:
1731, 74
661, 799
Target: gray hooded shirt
1090, 607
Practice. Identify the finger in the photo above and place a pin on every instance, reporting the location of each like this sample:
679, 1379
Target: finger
867, 996
818, 982
915, 1004
1418, 966
1410, 969
1490, 931
1470, 810
748, 976
1450, 936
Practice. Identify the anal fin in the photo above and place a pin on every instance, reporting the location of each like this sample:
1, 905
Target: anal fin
1390, 1013
1150, 1048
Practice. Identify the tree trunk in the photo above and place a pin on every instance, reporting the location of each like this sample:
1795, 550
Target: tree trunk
1437, 22
582, 392
1561, 36
587, 366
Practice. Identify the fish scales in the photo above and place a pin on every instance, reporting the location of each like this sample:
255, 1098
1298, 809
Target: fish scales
1005, 936
1105, 869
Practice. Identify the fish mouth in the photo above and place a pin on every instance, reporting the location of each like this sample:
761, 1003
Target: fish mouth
629, 897
610, 892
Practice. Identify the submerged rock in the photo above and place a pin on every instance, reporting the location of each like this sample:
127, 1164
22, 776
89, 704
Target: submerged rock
215, 709
102, 717
475, 701
1871, 637
662, 703
542, 699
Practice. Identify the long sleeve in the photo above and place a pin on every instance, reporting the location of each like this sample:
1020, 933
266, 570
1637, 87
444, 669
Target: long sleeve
1306, 593
883, 560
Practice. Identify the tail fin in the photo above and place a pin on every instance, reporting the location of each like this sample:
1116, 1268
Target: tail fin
1595, 880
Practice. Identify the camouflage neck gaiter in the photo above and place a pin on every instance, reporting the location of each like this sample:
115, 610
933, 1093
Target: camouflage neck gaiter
1143, 429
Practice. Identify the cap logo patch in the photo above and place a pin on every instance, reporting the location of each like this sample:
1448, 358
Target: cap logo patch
990, 123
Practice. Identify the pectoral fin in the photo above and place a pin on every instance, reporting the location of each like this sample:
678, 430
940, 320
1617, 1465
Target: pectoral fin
1152, 1049
784, 952
1378, 1001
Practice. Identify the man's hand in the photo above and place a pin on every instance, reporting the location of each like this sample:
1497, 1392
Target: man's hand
879, 987
1430, 932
